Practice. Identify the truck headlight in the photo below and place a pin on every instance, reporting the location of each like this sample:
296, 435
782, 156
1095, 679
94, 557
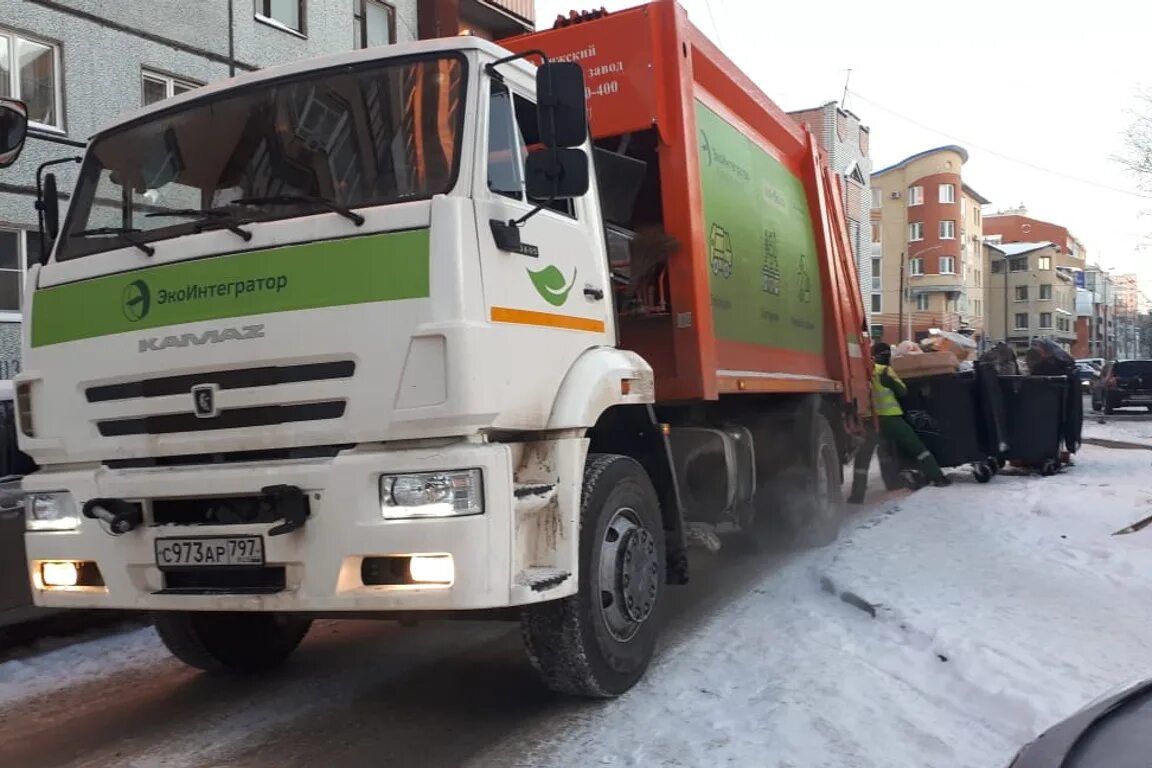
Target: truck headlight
51, 512
432, 494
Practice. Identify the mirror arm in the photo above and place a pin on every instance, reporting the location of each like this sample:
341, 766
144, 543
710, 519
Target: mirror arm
520, 221
491, 67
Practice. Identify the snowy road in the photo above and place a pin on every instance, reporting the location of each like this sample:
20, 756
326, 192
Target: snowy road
999, 609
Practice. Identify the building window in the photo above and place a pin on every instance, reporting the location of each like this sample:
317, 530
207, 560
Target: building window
1018, 264
877, 332
1021, 293
1046, 320
30, 72
374, 23
877, 198
877, 274
915, 231
157, 87
978, 307
916, 267
997, 267
876, 302
1044, 262
288, 14
947, 193
947, 265
17, 249
915, 195
1045, 292
921, 302
875, 232
947, 230
1021, 321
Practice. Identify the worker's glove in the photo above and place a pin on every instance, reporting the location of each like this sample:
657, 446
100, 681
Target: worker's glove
886, 378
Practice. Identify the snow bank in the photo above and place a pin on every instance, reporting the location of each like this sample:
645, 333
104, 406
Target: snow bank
1000, 609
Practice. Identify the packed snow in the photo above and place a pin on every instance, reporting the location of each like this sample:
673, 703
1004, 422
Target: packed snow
999, 610
1124, 426
945, 629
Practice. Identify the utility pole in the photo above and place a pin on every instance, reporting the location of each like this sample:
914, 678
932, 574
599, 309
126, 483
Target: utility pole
900, 322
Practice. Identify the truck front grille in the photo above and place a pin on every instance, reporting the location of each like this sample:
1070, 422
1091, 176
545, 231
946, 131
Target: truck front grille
240, 378
234, 418
231, 510
267, 580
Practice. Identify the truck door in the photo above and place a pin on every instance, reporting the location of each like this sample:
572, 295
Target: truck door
554, 288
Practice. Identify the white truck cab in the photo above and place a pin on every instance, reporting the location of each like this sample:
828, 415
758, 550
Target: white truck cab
328, 339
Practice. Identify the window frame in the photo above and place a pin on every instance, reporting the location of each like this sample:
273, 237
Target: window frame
877, 198
877, 274
1016, 321
1020, 293
360, 13
57, 77
23, 243
951, 229
1041, 325
877, 304
911, 230
170, 83
262, 12
1049, 292
1043, 263
951, 261
915, 195
1017, 261
923, 302
950, 197
916, 267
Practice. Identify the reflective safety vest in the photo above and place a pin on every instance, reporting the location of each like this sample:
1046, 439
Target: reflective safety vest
883, 399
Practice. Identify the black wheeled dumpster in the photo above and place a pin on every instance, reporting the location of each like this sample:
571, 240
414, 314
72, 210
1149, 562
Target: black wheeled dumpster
1036, 413
953, 418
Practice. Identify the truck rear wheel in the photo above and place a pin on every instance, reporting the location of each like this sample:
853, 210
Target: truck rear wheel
231, 642
810, 496
598, 642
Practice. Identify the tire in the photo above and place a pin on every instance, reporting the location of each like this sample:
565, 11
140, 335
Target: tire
810, 497
1050, 467
599, 642
983, 472
238, 643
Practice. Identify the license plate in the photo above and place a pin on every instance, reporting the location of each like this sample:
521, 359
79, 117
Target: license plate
207, 551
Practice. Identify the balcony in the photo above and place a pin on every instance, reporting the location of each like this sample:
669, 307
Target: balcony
502, 18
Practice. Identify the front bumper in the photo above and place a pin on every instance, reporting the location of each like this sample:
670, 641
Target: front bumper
321, 561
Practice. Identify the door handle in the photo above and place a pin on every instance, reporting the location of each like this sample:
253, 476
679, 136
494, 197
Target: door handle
594, 293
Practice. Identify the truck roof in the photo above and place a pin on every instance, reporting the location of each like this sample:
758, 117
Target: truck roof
459, 43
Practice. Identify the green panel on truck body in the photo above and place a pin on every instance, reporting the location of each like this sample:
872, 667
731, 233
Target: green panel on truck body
763, 262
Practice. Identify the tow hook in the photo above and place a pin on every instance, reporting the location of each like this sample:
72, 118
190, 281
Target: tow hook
292, 505
121, 516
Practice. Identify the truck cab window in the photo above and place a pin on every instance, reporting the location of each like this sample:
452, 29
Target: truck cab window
512, 132
505, 146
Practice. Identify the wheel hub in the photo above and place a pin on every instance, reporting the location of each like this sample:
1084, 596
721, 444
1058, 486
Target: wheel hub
629, 574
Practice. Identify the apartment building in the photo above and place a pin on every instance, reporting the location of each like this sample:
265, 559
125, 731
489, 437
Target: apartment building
80, 63
1032, 293
1016, 226
845, 141
928, 265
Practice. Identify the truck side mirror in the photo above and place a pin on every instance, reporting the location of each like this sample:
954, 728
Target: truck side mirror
562, 106
13, 130
556, 174
50, 207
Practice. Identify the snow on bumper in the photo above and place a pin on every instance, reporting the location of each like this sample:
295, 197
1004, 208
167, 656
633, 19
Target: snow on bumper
495, 553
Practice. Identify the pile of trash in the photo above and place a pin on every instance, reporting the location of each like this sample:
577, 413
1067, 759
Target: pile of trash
940, 352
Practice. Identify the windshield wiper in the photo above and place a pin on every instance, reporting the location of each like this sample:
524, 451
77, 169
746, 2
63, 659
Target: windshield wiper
206, 215
124, 232
324, 202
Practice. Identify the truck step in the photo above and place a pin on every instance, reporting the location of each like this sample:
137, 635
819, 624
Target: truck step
703, 535
542, 579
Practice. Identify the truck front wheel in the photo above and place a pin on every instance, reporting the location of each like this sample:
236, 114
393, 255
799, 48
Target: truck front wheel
231, 642
598, 642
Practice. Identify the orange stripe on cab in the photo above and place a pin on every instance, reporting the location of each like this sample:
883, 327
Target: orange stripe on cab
546, 319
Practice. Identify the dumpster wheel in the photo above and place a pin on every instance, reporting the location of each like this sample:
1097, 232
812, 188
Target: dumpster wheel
1051, 467
983, 472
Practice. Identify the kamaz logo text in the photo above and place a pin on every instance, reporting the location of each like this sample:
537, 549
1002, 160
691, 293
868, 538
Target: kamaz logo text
156, 343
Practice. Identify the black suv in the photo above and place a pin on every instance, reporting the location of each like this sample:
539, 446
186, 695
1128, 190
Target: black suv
1123, 383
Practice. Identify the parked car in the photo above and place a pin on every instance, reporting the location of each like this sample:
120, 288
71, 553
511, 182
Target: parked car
1122, 384
1095, 362
1089, 374
1111, 732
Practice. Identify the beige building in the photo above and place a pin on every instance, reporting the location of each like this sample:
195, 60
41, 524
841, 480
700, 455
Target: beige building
928, 265
1032, 291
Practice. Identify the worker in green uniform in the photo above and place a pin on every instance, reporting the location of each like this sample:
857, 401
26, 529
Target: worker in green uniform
886, 388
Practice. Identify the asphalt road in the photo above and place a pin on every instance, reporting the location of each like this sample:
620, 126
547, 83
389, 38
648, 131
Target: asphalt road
357, 693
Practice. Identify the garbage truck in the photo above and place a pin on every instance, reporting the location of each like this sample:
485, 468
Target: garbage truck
439, 329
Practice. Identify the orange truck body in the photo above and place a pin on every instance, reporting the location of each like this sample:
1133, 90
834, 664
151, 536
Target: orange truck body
762, 292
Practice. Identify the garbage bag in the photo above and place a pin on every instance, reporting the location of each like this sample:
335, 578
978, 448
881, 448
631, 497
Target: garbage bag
1002, 358
1047, 358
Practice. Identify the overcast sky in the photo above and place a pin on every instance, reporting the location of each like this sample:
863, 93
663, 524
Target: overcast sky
1023, 85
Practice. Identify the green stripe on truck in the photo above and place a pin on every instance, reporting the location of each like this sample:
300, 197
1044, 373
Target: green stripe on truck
330, 273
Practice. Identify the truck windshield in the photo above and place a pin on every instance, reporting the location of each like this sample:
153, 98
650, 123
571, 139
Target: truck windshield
337, 139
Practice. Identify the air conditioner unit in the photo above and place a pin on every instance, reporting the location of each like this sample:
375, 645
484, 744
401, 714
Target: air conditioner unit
895, 195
